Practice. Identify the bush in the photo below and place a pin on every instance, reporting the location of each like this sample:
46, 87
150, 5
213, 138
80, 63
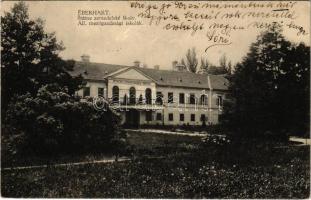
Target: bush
55, 122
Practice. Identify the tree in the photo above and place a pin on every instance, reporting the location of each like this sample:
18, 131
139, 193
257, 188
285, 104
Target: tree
223, 61
191, 62
269, 87
29, 56
216, 70
225, 66
204, 68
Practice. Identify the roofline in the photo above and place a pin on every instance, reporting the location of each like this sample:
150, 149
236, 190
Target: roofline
184, 87
128, 68
206, 88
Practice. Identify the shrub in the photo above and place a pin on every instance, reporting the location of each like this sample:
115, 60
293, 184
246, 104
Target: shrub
54, 122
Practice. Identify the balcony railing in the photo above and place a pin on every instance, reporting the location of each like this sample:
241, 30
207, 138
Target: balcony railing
147, 104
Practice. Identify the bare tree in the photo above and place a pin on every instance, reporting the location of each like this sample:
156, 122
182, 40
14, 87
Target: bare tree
223, 61
204, 66
229, 67
191, 62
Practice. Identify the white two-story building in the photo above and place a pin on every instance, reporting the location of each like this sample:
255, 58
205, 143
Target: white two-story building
145, 96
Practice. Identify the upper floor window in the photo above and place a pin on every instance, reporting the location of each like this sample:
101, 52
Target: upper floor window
181, 98
204, 99
86, 92
219, 101
159, 98
170, 97
115, 94
192, 99
100, 92
148, 96
132, 95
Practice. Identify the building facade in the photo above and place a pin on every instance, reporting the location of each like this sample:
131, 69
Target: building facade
145, 96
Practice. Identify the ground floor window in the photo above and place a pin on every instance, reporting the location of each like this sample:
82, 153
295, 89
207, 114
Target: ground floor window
203, 118
170, 117
159, 117
148, 116
192, 117
181, 117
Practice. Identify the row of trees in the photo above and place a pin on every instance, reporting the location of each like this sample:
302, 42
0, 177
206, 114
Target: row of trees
37, 98
191, 62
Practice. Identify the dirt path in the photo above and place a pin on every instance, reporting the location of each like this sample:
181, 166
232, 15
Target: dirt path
66, 164
304, 141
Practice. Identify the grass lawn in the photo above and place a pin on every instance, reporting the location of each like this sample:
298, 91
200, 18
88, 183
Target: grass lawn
185, 170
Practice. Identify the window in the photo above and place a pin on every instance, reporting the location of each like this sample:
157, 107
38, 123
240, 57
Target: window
115, 94
203, 118
148, 116
132, 95
148, 96
170, 117
181, 117
100, 92
204, 99
181, 98
192, 99
159, 117
219, 101
159, 98
192, 117
86, 91
170, 97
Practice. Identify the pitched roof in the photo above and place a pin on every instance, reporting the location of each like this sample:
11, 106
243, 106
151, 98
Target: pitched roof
176, 78
219, 82
95, 71
100, 71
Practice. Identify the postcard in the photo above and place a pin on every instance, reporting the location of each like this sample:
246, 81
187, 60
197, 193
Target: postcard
155, 99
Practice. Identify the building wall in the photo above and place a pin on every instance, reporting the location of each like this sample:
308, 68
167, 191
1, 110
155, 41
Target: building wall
211, 111
125, 85
94, 85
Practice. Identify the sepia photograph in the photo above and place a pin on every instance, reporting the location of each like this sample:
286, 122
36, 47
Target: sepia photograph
155, 99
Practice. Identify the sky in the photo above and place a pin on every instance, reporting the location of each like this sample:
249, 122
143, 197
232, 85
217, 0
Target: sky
150, 45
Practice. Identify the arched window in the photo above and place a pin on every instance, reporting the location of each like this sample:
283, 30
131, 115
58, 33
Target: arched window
148, 96
132, 95
115, 94
204, 99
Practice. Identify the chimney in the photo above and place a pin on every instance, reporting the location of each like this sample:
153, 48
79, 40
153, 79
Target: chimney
174, 63
180, 67
136, 63
156, 67
85, 58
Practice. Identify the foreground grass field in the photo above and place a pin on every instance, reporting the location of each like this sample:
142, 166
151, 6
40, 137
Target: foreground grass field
183, 169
